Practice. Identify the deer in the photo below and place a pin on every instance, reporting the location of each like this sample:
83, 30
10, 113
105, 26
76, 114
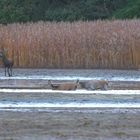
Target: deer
8, 64
64, 86
94, 84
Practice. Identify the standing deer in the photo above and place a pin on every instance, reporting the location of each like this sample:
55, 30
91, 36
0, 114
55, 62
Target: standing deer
8, 64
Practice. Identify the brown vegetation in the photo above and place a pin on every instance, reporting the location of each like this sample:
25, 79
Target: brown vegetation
99, 44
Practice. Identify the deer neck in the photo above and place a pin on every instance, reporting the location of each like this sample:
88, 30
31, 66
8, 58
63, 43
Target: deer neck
4, 58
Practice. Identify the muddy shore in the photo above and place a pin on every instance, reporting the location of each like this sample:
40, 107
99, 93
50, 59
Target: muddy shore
74, 124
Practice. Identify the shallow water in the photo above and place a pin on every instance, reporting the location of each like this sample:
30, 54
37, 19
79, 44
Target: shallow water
73, 74
38, 98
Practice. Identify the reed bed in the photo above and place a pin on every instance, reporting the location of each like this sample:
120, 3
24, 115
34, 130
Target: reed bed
99, 44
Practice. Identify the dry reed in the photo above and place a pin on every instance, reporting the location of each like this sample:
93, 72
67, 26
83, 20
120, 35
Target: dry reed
100, 44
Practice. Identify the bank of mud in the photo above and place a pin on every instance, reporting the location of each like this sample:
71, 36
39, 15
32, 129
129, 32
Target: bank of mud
74, 124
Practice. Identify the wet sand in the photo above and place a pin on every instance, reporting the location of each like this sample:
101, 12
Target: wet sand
74, 124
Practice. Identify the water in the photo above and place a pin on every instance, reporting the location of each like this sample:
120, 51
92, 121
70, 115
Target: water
44, 98
44, 77
72, 74
68, 105
105, 92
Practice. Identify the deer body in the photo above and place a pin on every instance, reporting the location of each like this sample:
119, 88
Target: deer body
8, 64
94, 84
64, 86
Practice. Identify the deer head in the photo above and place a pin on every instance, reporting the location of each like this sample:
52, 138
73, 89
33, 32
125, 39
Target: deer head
3, 52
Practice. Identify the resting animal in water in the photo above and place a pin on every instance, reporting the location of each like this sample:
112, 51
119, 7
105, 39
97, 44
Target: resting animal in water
64, 86
94, 84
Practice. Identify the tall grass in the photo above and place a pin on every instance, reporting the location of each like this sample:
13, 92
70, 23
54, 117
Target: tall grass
99, 44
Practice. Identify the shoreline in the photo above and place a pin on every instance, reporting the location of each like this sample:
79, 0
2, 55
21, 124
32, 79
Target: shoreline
71, 125
72, 110
24, 116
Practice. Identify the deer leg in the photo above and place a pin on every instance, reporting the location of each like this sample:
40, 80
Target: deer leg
5, 71
11, 72
8, 72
